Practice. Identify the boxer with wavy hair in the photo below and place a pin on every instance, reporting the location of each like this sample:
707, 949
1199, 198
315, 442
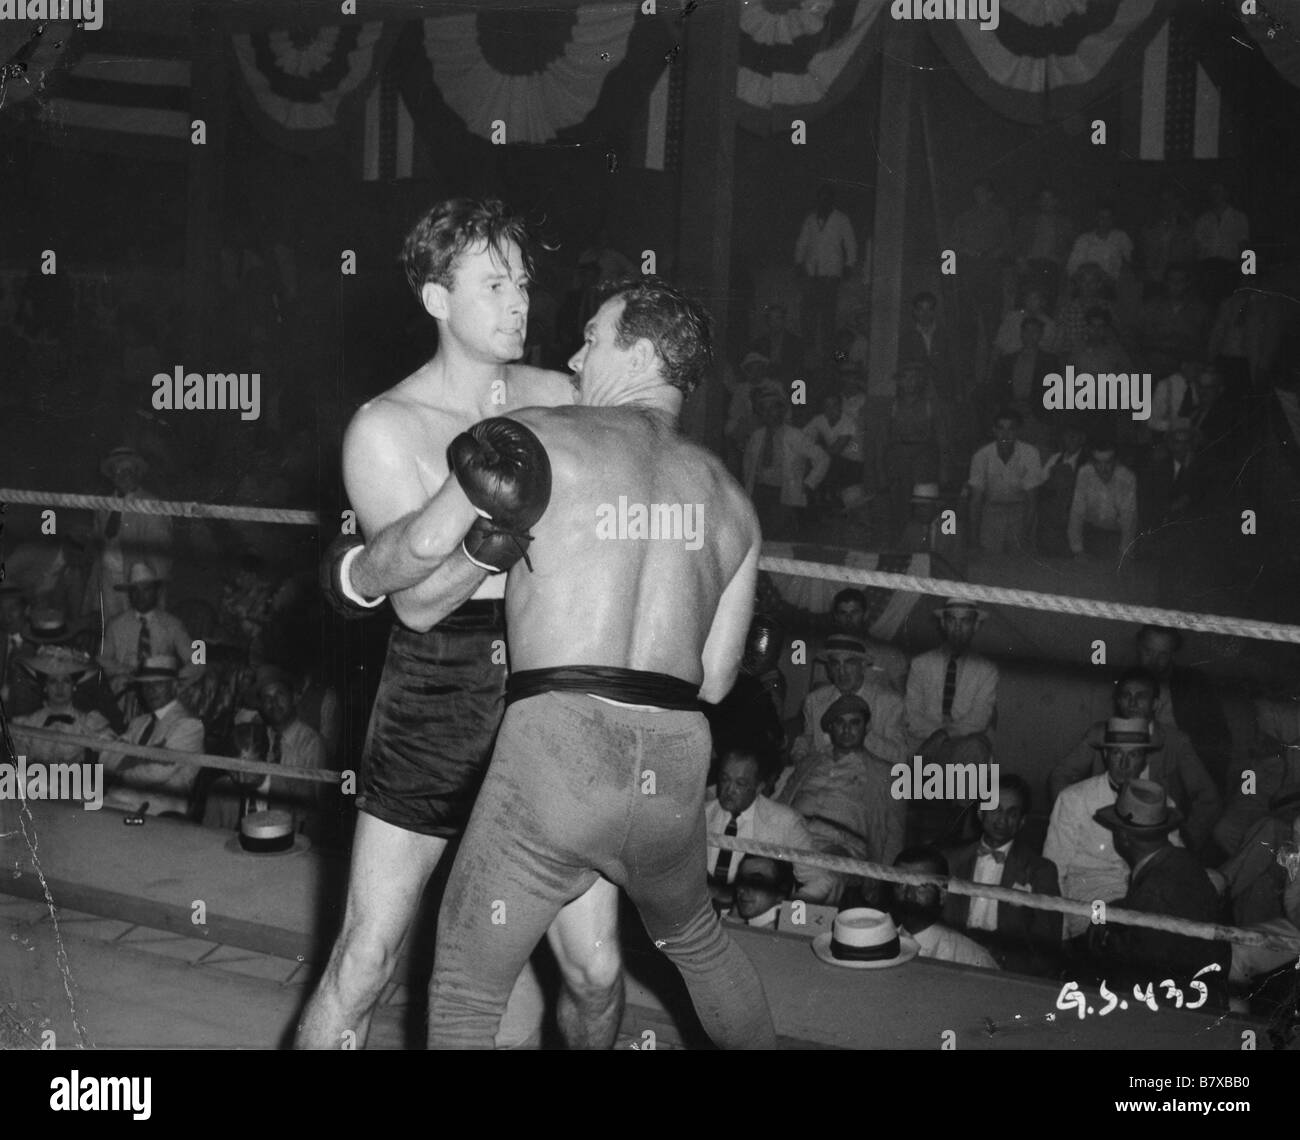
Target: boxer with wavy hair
442, 690
600, 764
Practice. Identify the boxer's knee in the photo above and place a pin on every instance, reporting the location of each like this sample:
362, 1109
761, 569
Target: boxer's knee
597, 969
362, 961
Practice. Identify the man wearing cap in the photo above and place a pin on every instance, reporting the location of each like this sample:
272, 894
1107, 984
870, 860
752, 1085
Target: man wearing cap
1083, 850
853, 670
143, 631
1021, 938
781, 466
1004, 480
123, 538
742, 811
164, 786
918, 910
59, 668
1165, 880
1172, 762
952, 692
844, 796
1103, 512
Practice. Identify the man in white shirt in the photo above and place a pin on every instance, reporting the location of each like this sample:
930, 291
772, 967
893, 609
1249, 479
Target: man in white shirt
293, 744
825, 251
951, 692
1176, 397
780, 467
1104, 514
1083, 850
1004, 477
145, 630
1108, 247
918, 909
1220, 234
742, 811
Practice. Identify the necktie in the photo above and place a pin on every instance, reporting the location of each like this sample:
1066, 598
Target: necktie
59, 718
768, 455
144, 645
276, 754
724, 856
147, 734
1188, 406
113, 525
992, 852
949, 687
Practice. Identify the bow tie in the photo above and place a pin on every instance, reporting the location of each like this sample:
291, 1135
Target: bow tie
59, 718
992, 852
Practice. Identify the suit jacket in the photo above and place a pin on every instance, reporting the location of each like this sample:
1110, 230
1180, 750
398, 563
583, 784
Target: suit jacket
941, 357
1159, 488
1005, 369
1173, 883
1026, 939
164, 785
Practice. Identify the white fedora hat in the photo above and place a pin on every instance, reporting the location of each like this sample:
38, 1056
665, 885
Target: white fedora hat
865, 939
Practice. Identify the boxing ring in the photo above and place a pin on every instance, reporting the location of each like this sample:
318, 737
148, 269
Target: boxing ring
30, 880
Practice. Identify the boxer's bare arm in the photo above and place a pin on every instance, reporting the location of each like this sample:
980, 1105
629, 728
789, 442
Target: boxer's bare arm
725, 644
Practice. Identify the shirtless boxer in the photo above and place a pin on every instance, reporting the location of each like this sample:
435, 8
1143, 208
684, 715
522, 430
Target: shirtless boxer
441, 694
600, 763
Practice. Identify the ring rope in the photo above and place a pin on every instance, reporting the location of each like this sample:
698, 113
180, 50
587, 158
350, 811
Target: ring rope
844, 575
191, 759
1208, 930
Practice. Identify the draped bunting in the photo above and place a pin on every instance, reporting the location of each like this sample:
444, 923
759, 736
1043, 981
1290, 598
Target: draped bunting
1048, 60
798, 62
298, 87
1275, 27
535, 98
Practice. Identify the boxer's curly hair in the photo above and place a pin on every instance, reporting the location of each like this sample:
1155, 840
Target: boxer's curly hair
455, 225
680, 330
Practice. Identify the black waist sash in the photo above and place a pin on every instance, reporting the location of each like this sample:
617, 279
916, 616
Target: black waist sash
631, 686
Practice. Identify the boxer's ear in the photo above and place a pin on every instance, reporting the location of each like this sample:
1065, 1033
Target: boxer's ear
434, 298
644, 355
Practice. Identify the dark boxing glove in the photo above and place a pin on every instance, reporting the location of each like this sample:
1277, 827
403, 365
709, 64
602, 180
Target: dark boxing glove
763, 646
331, 579
504, 471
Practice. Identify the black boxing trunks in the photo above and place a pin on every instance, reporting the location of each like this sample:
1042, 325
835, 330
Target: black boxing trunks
631, 686
434, 720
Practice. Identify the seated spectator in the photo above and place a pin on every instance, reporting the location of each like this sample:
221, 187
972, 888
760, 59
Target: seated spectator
1017, 377
1186, 700
1172, 761
1100, 349
844, 796
762, 885
952, 692
19, 693
1088, 292
1089, 866
1004, 480
1173, 326
59, 669
853, 671
1010, 339
779, 345
1103, 513
926, 341
848, 615
1273, 759
1020, 938
162, 786
1255, 879
1056, 494
840, 436
781, 467
742, 811
913, 445
919, 909
293, 744
1176, 396
145, 630
1165, 880
123, 538
929, 532
1103, 245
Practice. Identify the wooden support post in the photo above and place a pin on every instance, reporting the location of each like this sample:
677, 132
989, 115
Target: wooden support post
703, 270
895, 132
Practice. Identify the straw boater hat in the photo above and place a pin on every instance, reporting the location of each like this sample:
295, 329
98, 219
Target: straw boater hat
59, 661
865, 939
842, 645
47, 626
960, 604
164, 667
120, 455
925, 493
1131, 732
141, 574
849, 703
1140, 809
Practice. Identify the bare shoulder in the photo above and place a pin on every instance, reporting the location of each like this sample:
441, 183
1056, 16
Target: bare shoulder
530, 387
386, 428
712, 473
